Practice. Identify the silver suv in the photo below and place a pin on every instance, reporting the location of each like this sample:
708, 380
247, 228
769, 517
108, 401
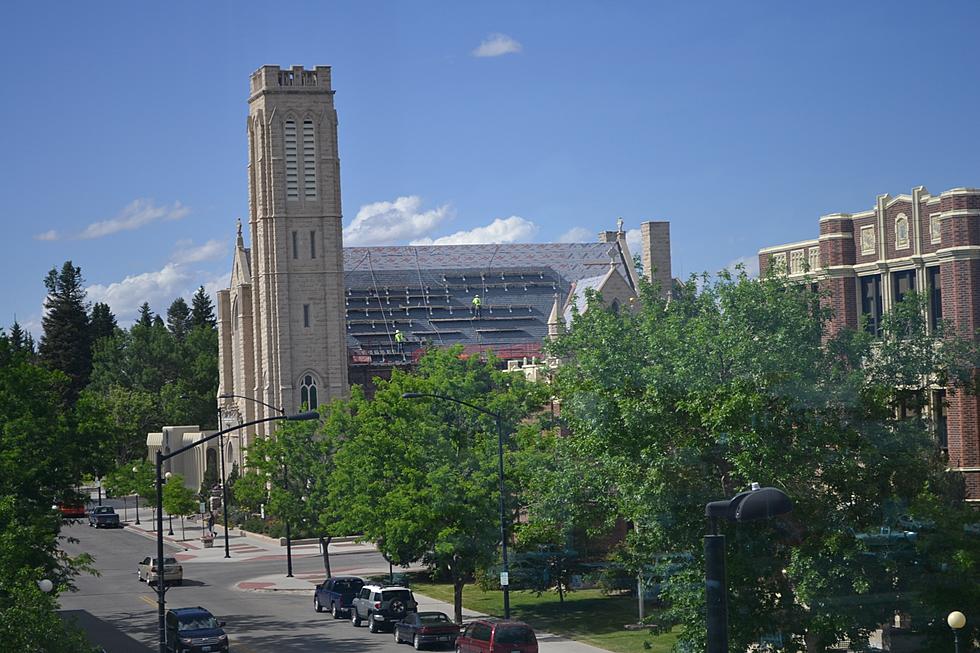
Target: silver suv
381, 607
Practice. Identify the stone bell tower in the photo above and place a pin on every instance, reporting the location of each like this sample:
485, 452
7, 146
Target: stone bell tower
296, 260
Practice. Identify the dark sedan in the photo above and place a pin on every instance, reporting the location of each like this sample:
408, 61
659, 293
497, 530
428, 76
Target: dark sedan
425, 628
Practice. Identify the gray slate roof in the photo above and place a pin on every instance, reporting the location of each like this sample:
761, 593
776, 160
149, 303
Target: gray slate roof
426, 291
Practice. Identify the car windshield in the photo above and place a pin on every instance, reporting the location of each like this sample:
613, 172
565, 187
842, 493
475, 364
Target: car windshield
433, 618
389, 595
514, 635
168, 561
103, 510
197, 622
347, 586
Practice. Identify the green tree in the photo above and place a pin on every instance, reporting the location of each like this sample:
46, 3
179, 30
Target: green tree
145, 316
420, 478
66, 342
735, 381
202, 310
178, 318
179, 500
21, 341
103, 322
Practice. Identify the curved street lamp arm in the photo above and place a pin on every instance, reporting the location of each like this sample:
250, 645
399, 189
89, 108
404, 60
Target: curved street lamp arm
312, 414
258, 401
418, 395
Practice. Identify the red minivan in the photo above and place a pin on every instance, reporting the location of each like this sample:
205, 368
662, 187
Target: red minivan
497, 636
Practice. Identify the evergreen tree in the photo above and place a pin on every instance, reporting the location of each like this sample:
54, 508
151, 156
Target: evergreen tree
103, 322
202, 310
158, 322
20, 340
145, 316
178, 318
66, 342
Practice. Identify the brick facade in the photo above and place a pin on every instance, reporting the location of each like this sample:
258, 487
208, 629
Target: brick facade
865, 261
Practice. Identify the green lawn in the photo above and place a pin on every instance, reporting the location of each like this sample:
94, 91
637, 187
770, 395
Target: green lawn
587, 615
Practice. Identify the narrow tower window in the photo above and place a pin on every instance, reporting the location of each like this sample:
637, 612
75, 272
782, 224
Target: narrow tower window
292, 178
312, 244
309, 160
295, 246
306, 315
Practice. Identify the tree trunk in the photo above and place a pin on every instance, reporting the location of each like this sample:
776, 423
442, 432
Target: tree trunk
458, 599
326, 554
814, 643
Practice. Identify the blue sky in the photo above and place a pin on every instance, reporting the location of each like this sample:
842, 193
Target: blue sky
124, 145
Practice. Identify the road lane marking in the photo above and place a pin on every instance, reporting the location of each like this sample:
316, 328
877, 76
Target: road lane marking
147, 600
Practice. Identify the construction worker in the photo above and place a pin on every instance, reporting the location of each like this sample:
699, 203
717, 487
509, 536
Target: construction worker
400, 340
477, 306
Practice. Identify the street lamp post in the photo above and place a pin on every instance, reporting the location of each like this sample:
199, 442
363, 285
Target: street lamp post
170, 518
285, 481
956, 620
224, 489
505, 572
160, 458
757, 503
135, 469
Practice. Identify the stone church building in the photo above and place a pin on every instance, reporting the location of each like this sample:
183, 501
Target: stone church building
303, 317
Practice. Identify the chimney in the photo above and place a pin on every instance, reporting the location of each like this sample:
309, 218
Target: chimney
655, 245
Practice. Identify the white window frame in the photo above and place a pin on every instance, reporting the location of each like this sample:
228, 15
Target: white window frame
796, 258
778, 261
813, 258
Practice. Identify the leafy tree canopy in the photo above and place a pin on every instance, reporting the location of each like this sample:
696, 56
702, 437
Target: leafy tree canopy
737, 381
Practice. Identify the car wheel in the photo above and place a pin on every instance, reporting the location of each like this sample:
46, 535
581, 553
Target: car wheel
316, 604
372, 624
354, 617
416, 643
334, 610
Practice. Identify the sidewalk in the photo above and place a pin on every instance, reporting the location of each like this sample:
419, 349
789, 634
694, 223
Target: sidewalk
242, 545
304, 584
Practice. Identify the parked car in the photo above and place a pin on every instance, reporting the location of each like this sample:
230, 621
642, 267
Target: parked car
194, 630
71, 510
424, 628
885, 536
173, 572
336, 594
497, 636
104, 517
381, 606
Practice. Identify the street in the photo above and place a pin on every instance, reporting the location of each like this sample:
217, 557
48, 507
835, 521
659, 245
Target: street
256, 622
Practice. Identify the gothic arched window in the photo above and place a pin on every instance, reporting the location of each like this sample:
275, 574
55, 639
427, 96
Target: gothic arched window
307, 392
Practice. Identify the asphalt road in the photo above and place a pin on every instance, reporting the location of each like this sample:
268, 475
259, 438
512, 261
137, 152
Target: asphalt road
120, 613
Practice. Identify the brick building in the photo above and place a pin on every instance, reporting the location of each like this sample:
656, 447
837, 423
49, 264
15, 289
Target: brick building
867, 261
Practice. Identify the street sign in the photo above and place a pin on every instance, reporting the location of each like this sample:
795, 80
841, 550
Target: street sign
504, 579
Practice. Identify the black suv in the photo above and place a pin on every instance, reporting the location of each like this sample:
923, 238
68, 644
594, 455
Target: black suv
194, 630
381, 606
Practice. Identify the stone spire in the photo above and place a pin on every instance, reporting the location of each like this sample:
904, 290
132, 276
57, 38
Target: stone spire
239, 242
555, 322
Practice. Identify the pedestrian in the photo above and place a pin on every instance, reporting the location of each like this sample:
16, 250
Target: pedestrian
477, 306
211, 522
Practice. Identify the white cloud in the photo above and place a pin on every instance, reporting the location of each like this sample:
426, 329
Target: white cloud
750, 263
577, 235
136, 214
514, 229
385, 223
159, 288
51, 234
633, 241
186, 252
496, 45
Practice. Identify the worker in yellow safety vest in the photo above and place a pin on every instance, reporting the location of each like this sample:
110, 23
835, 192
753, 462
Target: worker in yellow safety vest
477, 306
399, 340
